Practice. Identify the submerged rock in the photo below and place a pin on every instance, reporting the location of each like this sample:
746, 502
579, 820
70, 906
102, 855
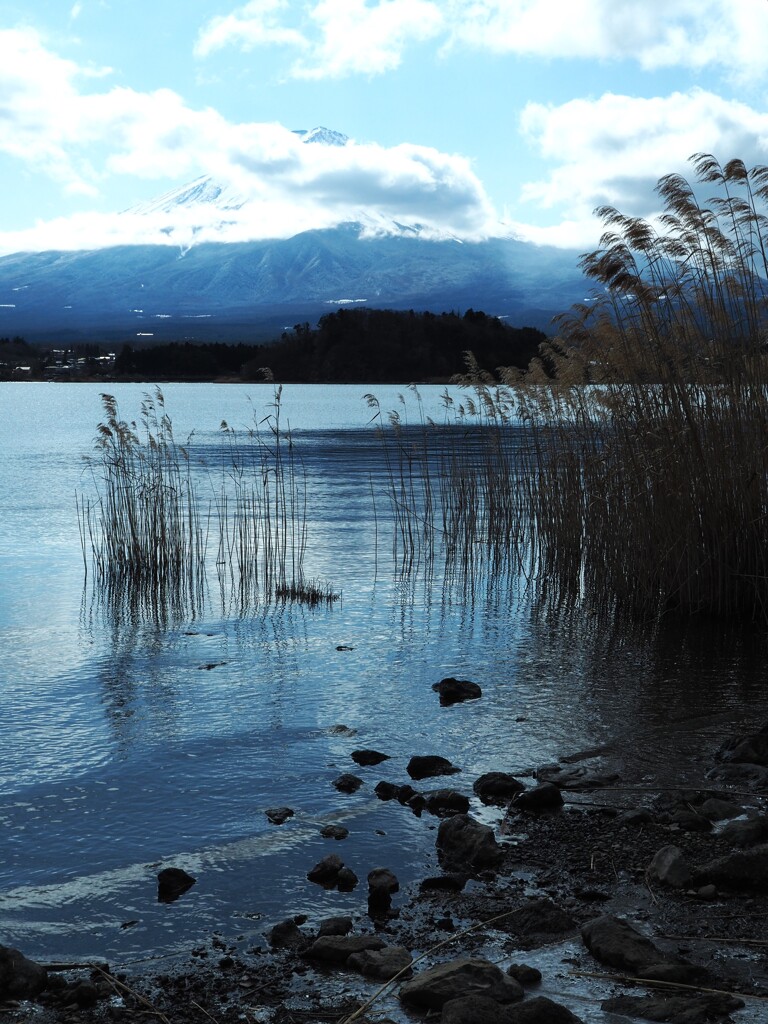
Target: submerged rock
742, 869
445, 802
288, 935
687, 1009
337, 832
386, 790
749, 749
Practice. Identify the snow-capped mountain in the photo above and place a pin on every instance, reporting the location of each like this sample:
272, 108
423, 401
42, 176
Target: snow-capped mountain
202, 192
324, 136
241, 290
206, 193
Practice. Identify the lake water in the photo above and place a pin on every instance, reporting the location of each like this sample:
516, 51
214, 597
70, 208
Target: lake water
122, 751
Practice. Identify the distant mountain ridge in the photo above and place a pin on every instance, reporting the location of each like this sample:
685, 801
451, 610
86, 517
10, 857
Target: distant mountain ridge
253, 289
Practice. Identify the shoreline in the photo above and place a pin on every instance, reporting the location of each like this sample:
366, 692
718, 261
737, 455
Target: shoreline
575, 846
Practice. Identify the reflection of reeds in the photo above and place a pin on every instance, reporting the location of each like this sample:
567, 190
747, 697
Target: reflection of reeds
146, 530
635, 479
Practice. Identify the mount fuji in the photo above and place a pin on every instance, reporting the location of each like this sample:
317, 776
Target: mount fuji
250, 291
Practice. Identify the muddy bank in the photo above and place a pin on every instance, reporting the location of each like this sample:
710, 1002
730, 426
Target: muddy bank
566, 893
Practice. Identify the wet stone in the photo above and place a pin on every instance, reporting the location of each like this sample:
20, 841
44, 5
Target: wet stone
546, 797
347, 783
279, 815
337, 832
455, 691
432, 988
445, 802
172, 883
337, 949
429, 765
524, 974
326, 872
365, 758
497, 787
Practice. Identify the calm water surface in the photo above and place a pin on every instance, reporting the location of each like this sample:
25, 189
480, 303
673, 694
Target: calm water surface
121, 752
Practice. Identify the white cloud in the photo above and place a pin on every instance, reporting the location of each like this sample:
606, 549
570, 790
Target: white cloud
613, 150
336, 37
339, 37
255, 24
79, 138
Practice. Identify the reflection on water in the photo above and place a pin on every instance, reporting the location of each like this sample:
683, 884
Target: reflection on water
134, 741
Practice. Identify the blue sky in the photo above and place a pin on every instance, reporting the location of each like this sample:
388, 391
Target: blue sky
469, 117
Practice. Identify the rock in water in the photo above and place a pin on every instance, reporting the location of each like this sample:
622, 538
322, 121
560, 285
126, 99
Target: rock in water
430, 764
454, 691
172, 883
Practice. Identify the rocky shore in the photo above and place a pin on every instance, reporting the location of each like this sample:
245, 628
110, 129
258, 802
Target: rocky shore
566, 894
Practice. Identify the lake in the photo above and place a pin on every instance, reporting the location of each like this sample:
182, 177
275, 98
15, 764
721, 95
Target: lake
130, 743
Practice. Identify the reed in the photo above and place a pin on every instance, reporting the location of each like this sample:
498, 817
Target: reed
649, 492
152, 517
627, 470
143, 526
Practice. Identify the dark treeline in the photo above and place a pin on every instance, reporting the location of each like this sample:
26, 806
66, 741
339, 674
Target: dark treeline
350, 345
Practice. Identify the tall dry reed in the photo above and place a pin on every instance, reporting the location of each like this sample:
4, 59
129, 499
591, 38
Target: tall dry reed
153, 522
627, 470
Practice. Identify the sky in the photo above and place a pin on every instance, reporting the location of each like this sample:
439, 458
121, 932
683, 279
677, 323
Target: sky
470, 118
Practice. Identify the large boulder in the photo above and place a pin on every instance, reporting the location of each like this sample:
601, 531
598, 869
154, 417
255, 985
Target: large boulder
20, 978
464, 843
432, 988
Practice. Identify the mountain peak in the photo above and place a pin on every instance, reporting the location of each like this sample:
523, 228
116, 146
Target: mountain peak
324, 136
